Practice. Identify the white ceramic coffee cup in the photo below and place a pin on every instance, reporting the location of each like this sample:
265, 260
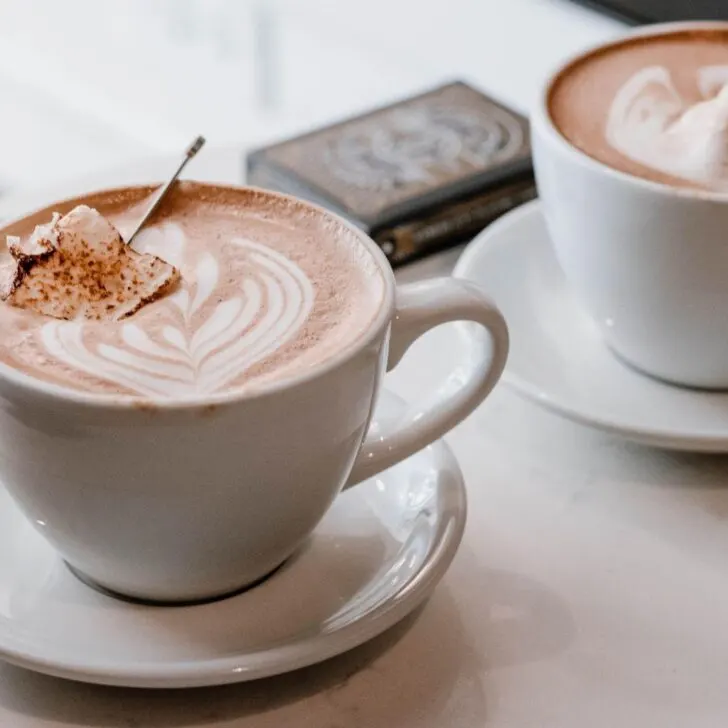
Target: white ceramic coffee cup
648, 261
179, 501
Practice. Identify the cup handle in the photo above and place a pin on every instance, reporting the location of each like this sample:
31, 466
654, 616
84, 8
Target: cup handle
421, 307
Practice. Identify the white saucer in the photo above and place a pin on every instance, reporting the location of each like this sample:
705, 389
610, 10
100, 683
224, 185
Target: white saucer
557, 357
377, 554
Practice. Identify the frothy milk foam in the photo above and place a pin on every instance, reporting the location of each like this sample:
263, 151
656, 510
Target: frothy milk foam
651, 123
655, 106
269, 288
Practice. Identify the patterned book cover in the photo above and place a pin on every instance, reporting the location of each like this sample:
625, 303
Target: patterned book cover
420, 174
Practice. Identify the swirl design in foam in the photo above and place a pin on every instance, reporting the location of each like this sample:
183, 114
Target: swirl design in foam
651, 123
212, 343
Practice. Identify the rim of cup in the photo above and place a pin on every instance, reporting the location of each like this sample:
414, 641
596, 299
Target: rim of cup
543, 120
54, 392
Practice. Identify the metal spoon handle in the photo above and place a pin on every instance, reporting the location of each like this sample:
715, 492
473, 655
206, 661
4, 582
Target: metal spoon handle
195, 147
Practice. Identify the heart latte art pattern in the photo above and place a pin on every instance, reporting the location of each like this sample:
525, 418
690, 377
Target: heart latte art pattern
231, 313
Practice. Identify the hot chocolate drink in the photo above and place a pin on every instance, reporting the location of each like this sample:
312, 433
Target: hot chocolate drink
269, 288
655, 107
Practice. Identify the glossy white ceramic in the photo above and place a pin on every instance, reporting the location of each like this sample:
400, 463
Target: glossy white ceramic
180, 501
649, 261
558, 358
376, 555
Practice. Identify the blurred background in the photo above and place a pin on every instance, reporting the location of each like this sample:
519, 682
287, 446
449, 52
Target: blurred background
89, 85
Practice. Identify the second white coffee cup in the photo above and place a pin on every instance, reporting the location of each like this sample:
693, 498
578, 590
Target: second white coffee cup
647, 260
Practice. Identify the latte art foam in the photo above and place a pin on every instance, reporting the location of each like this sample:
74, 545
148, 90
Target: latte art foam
199, 353
250, 307
654, 106
651, 123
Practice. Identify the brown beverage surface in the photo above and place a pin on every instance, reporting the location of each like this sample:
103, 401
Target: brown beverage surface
626, 106
270, 288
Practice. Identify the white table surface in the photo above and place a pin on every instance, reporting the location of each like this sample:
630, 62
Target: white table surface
590, 590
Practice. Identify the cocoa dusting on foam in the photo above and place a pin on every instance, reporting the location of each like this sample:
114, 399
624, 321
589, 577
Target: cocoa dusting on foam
268, 289
77, 266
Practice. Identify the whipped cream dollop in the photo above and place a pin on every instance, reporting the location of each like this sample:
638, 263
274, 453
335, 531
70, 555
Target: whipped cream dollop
650, 123
77, 266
